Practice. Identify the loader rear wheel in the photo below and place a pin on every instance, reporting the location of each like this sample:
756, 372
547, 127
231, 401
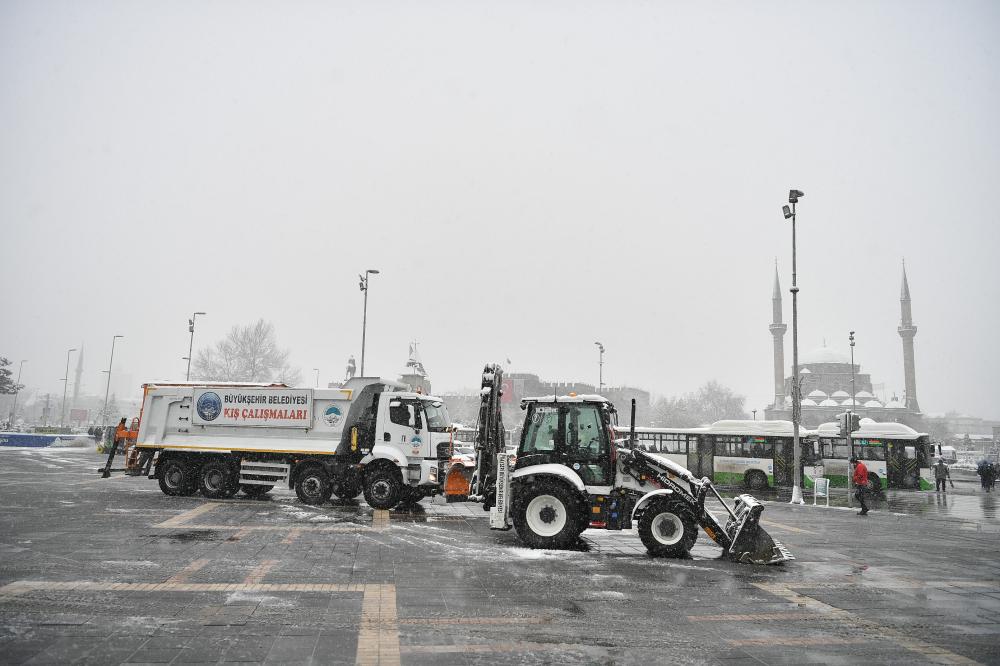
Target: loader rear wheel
177, 477
313, 486
218, 480
667, 529
383, 487
547, 514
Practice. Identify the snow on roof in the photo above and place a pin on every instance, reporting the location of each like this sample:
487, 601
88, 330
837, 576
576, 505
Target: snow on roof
808, 403
220, 384
747, 427
840, 394
805, 371
872, 429
568, 398
829, 403
873, 403
825, 354
817, 394
863, 394
848, 403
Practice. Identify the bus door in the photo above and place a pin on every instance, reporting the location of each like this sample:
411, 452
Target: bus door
902, 464
701, 456
784, 462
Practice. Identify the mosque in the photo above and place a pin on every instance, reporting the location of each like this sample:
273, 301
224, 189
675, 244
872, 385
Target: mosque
826, 377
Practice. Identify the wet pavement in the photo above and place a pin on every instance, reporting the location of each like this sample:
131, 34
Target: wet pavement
112, 571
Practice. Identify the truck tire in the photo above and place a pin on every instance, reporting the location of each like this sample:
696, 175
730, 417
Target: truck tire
253, 490
667, 528
313, 486
218, 480
383, 487
177, 477
547, 514
755, 480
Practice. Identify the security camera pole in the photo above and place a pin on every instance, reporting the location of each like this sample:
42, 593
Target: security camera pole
62, 415
191, 321
364, 320
107, 386
793, 198
848, 423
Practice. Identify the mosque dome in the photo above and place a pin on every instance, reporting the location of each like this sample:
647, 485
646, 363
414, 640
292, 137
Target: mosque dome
805, 371
840, 395
808, 403
829, 403
848, 403
825, 355
863, 395
817, 394
873, 403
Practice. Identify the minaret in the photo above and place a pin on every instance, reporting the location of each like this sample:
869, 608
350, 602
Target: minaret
778, 332
906, 331
79, 374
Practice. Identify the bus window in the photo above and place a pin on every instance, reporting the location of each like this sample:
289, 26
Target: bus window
840, 449
911, 452
673, 443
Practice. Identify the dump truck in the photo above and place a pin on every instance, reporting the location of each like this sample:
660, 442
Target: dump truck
370, 436
570, 474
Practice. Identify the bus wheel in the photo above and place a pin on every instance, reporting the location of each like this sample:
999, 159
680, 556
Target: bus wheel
548, 515
313, 486
254, 490
177, 477
667, 529
217, 480
755, 480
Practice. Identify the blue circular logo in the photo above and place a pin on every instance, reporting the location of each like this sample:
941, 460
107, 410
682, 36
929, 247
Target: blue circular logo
332, 416
209, 406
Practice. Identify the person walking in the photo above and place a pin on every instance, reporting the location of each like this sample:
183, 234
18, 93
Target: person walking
941, 476
860, 478
985, 471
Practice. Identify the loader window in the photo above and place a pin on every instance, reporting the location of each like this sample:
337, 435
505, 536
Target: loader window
586, 444
540, 432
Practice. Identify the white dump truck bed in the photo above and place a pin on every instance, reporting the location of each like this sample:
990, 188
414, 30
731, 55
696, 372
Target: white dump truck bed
221, 417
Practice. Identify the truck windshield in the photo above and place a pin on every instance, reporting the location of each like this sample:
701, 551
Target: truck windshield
437, 416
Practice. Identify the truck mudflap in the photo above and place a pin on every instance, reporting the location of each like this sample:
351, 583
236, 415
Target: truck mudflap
742, 538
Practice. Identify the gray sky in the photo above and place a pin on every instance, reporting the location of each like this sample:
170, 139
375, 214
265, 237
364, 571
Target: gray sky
529, 178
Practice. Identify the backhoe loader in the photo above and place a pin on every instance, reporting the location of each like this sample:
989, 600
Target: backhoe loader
570, 474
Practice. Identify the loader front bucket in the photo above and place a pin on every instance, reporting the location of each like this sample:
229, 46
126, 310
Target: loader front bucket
750, 543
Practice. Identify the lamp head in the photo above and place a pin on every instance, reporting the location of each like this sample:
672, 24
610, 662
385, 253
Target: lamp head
787, 211
794, 196
200, 313
373, 271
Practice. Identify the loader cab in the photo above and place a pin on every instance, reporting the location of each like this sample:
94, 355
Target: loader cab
570, 431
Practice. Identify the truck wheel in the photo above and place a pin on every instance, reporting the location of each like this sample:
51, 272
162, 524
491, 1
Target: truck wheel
313, 486
218, 480
667, 529
177, 477
755, 480
253, 490
383, 487
548, 515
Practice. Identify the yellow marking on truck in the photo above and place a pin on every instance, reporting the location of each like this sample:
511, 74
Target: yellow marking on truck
378, 635
219, 449
182, 519
184, 574
931, 653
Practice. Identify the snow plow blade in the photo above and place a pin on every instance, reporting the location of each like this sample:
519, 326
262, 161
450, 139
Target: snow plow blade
749, 543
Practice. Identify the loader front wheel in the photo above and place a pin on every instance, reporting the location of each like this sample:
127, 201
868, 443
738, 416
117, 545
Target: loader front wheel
667, 529
548, 515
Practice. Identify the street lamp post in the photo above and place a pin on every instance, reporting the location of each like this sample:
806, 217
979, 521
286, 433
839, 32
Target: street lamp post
107, 386
191, 321
62, 415
600, 367
793, 198
317, 377
17, 389
850, 433
364, 320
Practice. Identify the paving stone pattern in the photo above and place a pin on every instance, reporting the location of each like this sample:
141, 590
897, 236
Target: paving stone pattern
112, 571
